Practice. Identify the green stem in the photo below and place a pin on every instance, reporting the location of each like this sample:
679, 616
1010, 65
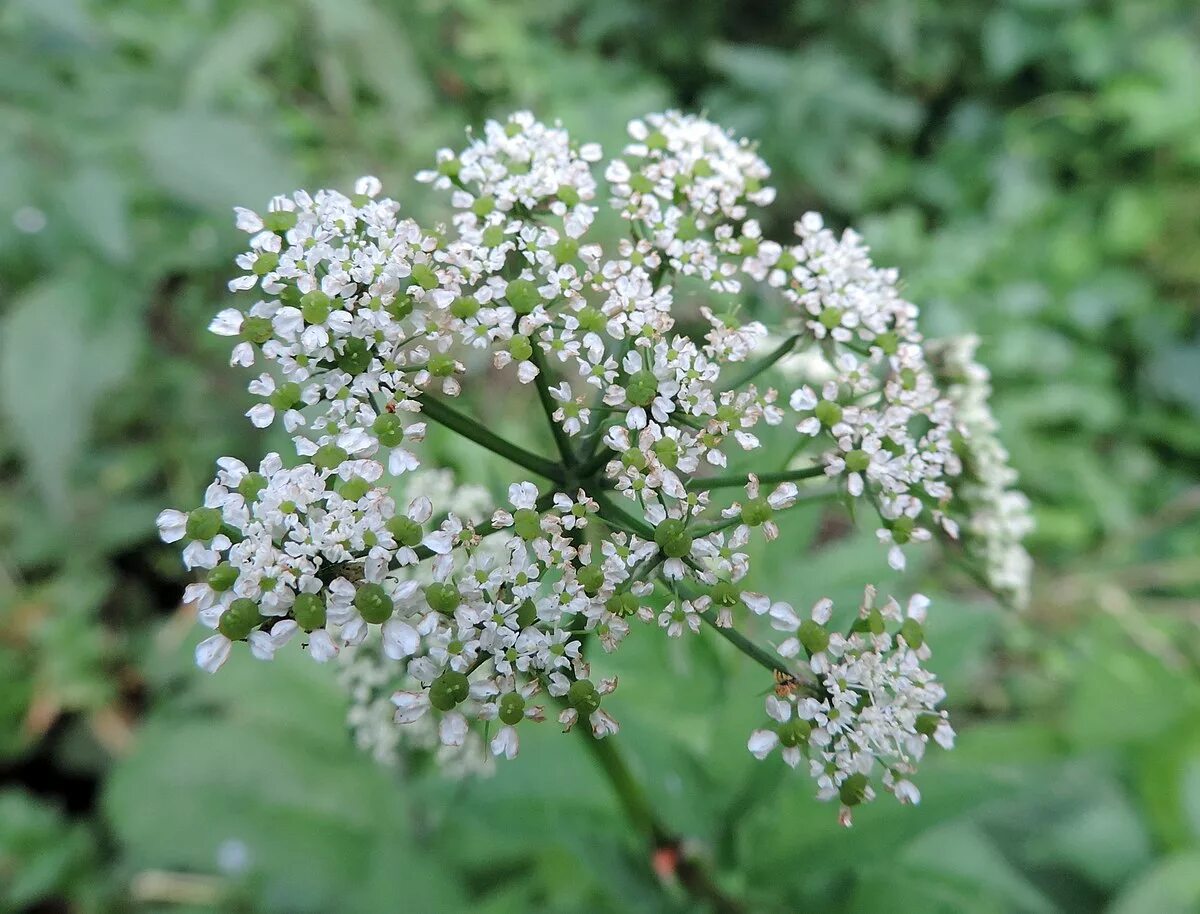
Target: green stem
767, 479
746, 646
471, 428
754, 369
693, 877
738, 640
629, 792
542, 382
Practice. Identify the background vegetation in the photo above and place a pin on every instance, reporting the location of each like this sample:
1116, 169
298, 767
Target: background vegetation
1032, 167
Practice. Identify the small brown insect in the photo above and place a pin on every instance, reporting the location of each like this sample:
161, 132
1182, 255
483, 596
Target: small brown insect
785, 684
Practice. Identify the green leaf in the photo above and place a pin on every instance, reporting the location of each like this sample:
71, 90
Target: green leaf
1170, 887
266, 775
213, 161
56, 365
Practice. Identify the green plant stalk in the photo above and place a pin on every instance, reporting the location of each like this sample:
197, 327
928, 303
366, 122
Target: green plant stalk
754, 369
733, 480
738, 640
542, 382
469, 428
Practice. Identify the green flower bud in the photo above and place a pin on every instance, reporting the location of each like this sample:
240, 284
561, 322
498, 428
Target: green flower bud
794, 733
813, 636
583, 697
204, 523
280, 221
424, 276
591, 320
828, 413
857, 460
640, 184
401, 307
642, 387
442, 597
449, 167
309, 610
623, 604
330, 456
830, 318
889, 342
687, 229
591, 578
873, 623
315, 306
464, 307
787, 261
482, 206
265, 263
520, 347
493, 236
667, 451
854, 789
441, 366
449, 690
748, 247
902, 528
354, 488
656, 140
756, 512
251, 485
527, 523
257, 329
568, 194
389, 429
523, 295
633, 457
355, 357
725, 593
912, 632
927, 724
527, 614
673, 539
406, 531
240, 619
285, 396
512, 709
565, 250
373, 603
222, 577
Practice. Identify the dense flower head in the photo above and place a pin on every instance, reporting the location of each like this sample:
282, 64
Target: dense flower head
359, 326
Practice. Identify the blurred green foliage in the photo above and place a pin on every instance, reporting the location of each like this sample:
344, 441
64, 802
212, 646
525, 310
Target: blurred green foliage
1031, 165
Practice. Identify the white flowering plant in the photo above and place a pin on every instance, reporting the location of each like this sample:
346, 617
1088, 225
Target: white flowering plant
360, 327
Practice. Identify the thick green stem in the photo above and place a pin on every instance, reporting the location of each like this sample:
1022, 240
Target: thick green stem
767, 479
629, 792
470, 428
754, 369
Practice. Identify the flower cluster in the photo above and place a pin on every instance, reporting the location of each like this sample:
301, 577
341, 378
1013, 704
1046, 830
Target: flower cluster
871, 703
997, 515
361, 326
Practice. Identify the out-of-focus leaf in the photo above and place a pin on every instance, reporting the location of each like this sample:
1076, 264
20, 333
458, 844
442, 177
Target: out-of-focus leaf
213, 161
1170, 887
57, 362
264, 775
